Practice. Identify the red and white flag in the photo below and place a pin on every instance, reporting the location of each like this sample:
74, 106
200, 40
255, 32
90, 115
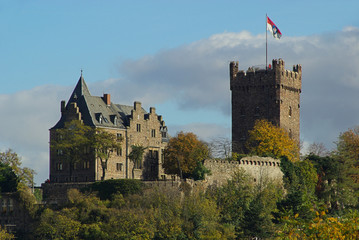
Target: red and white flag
273, 29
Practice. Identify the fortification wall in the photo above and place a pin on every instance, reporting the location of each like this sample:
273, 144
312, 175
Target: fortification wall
260, 168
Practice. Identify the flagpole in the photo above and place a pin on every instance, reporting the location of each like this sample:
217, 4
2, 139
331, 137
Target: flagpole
266, 42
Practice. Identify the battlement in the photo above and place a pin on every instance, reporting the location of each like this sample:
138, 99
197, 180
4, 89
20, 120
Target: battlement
271, 93
274, 76
257, 167
250, 161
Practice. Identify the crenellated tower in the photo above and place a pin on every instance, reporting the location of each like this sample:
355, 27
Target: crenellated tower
272, 94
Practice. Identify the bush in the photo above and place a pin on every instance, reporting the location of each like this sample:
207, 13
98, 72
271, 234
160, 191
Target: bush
107, 189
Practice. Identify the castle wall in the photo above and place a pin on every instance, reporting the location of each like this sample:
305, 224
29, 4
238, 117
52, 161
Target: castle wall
258, 167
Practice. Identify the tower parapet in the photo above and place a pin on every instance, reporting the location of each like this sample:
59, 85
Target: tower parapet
272, 94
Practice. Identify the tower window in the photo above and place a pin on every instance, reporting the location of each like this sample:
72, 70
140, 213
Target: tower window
256, 111
290, 111
138, 127
153, 133
242, 112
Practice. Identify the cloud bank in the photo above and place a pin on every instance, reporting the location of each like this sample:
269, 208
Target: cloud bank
195, 77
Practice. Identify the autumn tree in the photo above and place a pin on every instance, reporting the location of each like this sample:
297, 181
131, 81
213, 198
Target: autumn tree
183, 153
71, 141
104, 144
268, 140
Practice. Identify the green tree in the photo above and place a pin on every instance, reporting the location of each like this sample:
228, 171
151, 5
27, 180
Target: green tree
183, 153
268, 140
71, 141
25, 175
300, 179
16, 178
104, 144
57, 226
8, 179
136, 156
347, 181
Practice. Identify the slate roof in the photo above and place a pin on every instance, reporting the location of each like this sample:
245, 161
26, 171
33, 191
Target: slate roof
95, 112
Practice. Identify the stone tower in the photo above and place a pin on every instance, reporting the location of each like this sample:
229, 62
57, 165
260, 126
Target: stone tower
272, 94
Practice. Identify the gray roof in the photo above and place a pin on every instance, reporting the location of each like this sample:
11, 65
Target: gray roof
95, 112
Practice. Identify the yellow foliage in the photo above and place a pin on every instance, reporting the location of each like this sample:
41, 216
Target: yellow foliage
268, 140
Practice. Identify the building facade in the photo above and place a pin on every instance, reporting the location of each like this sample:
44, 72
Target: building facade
272, 94
132, 124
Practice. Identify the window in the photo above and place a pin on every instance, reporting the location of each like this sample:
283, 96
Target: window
153, 133
59, 166
119, 151
164, 134
138, 164
138, 127
86, 164
290, 133
119, 136
242, 112
119, 166
4, 207
256, 111
290, 111
155, 154
60, 152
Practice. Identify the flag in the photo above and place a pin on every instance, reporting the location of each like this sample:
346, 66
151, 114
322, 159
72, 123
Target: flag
273, 29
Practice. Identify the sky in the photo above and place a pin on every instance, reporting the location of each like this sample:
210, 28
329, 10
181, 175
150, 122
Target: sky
172, 55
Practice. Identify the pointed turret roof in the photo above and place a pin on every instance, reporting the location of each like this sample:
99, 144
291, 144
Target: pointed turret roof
81, 89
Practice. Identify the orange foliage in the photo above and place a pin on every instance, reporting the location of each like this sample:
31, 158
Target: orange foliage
268, 140
184, 150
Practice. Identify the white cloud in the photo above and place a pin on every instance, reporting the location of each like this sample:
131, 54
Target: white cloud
196, 77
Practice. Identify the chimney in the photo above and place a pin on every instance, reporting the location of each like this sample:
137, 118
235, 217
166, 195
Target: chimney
152, 110
137, 105
107, 99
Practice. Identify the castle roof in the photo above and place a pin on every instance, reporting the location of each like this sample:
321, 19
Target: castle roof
81, 89
95, 111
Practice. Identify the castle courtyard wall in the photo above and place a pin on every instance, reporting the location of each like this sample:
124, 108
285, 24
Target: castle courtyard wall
259, 168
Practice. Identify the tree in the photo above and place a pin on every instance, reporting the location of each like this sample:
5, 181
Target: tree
71, 141
11, 159
318, 149
268, 140
4, 235
8, 179
104, 143
300, 179
136, 156
183, 153
220, 147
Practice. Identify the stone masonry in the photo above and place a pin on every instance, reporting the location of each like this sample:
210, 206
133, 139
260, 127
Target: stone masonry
272, 94
259, 168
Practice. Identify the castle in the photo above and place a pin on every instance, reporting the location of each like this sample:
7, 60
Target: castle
272, 94
131, 123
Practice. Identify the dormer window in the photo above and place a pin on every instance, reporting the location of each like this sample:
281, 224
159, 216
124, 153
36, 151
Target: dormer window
115, 120
100, 119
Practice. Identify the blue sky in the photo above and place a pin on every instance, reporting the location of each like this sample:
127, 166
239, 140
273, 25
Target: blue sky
173, 55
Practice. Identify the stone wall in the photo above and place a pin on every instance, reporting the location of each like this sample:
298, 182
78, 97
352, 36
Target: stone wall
259, 168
